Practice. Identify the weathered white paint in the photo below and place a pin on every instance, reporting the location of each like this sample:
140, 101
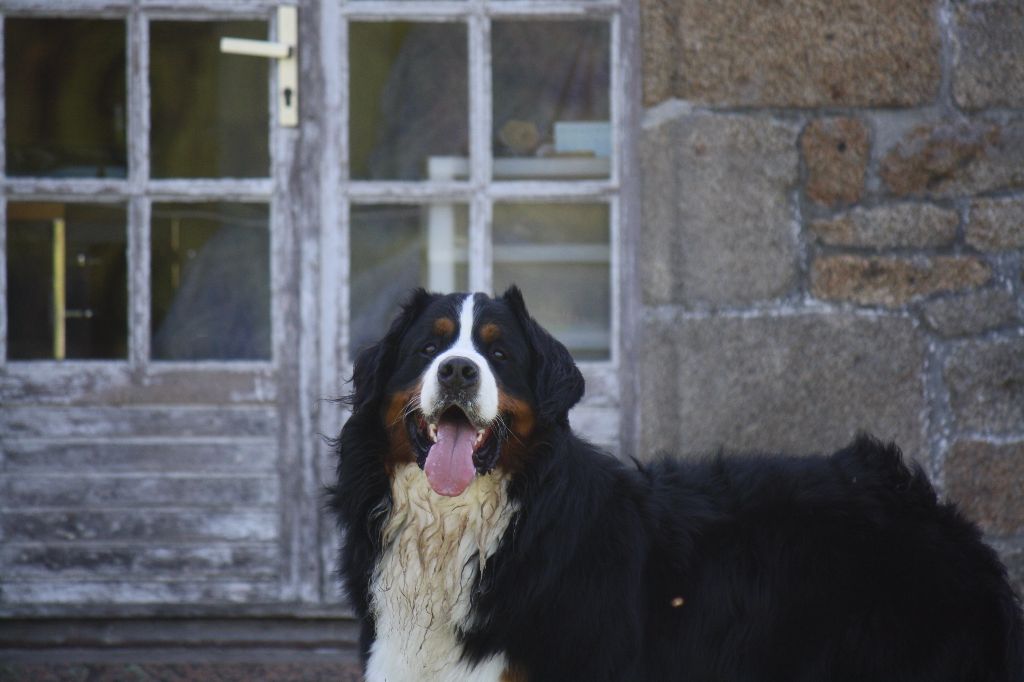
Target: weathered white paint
262, 416
435, 549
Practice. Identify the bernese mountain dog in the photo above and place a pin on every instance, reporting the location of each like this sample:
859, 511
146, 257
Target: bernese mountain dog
485, 541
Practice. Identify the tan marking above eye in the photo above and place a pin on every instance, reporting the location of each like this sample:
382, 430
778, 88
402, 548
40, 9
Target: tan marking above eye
444, 326
490, 332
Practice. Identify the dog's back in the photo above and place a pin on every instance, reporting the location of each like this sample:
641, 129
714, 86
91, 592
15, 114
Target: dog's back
838, 568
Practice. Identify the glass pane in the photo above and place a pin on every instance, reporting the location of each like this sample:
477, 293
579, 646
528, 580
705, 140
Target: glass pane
65, 104
551, 103
560, 256
210, 115
210, 282
67, 292
397, 248
408, 99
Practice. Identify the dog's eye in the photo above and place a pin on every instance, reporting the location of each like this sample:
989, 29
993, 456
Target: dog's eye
430, 349
498, 354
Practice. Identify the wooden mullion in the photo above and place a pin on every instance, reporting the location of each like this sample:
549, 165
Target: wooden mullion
551, 190
3, 199
629, 91
139, 208
401, 192
259, 190
552, 9
616, 93
71, 189
3, 279
92, 9
481, 161
408, 10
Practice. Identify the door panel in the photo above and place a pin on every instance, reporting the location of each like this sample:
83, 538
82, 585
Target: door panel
170, 465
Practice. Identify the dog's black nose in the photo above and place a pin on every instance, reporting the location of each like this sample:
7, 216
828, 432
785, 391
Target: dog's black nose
458, 372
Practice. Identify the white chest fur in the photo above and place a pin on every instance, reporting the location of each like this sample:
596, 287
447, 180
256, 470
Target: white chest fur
434, 548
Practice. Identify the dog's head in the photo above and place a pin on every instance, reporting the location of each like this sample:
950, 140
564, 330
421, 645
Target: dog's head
463, 383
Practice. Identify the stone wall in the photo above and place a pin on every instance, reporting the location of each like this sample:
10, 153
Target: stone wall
832, 236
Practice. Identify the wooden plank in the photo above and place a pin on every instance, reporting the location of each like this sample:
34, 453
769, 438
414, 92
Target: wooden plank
75, 562
156, 489
63, 189
107, 422
118, 384
315, 632
135, 592
180, 455
140, 526
226, 189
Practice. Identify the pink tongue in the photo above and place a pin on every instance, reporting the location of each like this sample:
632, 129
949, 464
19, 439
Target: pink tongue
449, 464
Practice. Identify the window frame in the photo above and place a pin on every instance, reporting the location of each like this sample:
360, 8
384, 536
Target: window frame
138, 192
310, 254
238, 394
599, 414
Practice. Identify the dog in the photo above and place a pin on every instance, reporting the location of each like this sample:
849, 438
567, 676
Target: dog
485, 541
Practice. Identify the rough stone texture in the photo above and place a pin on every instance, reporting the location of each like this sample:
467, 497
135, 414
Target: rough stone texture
996, 224
802, 53
902, 225
836, 154
893, 281
717, 227
1013, 559
985, 479
985, 380
972, 313
988, 55
797, 383
954, 159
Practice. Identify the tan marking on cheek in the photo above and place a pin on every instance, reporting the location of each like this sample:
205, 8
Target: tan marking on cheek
444, 326
513, 674
521, 421
394, 421
490, 332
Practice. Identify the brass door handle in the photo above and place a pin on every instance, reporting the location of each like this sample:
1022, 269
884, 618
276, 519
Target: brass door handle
285, 51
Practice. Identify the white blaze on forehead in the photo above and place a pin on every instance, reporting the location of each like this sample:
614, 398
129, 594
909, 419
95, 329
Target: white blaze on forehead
485, 403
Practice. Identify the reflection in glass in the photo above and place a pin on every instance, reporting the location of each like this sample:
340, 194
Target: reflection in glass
396, 248
559, 255
67, 292
210, 115
210, 279
65, 97
551, 109
408, 97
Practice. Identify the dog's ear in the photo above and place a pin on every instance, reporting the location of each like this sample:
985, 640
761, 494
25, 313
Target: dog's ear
375, 364
558, 384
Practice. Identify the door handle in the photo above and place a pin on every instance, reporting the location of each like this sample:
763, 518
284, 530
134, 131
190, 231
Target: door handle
285, 51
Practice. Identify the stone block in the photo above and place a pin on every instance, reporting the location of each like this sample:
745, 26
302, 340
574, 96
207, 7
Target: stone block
985, 380
836, 157
717, 222
893, 281
996, 224
956, 159
799, 383
901, 225
988, 54
972, 313
984, 479
792, 54
1012, 556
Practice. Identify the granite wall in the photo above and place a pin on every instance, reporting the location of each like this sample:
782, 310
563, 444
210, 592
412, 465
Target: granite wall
832, 236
